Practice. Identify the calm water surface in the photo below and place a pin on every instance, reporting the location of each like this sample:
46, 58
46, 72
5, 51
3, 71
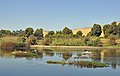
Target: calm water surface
37, 66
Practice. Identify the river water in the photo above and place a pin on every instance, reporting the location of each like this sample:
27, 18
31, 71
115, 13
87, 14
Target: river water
11, 65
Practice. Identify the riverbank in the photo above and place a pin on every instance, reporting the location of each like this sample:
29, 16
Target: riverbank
75, 47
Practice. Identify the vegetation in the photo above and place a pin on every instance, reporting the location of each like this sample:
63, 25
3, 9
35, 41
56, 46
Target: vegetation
111, 29
64, 37
28, 32
95, 31
39, 33
83, 64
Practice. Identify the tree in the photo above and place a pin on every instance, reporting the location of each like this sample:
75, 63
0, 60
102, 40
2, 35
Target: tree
118, 29
58, 32
39, 33
46, 41
112, 40
96, 30
112, 29
79, 33
50, 33
114, 23
32, 40
106, 30
18, 32
0, 33
68, 31
5, 32
28, 31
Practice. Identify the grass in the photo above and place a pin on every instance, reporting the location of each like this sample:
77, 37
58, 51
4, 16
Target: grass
87, 64
22, 54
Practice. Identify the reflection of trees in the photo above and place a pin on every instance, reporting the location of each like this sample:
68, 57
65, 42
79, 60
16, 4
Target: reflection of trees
113, 58
48, 52
113, 65
66, 55
5, 54
97, 55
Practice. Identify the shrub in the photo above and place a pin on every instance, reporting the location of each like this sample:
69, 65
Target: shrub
22, 46
112, 40
46, 41
7, 45
32, 40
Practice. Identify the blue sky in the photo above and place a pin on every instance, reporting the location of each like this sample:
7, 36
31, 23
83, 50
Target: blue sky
56, 14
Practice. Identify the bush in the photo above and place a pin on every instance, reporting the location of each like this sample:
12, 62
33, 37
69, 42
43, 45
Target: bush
22, 46
46, 41
32, 40
7, 45
112, 40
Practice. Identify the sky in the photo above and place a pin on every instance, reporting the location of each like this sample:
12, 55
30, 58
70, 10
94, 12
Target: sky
56, 14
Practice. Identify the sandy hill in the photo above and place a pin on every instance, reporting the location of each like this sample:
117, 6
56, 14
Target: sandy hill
85, 31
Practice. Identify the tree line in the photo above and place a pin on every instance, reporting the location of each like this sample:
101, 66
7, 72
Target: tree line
31, 36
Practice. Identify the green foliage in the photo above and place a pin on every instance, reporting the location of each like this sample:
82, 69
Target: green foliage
118, 29
106, 30
67, 42
83, 64
85, 40
32, 40
79, 33
46, 41
58, 32
50, 34
92, 42
112, 29
22, 46
96, 30
28, 31
39, 33
66, 30
4, 32
18, 33
22, 39
112, 40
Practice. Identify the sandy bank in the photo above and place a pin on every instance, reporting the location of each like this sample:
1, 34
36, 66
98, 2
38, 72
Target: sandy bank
73, 47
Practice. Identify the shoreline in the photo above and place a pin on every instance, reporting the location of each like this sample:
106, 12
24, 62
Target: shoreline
73, 47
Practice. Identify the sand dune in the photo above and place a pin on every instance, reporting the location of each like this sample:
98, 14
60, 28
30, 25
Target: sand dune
85, 31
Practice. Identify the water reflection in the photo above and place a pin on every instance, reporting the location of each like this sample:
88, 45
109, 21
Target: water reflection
111, 57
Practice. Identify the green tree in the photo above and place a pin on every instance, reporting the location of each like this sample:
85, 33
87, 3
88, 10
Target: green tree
18, 32
112, 29
118, 29
46, 41
58, 32
96, 30
50, 33
79, 33
68, 31
112, 40
5, 32
32, 40
106, 30
28, 31
39, 33
114, 23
